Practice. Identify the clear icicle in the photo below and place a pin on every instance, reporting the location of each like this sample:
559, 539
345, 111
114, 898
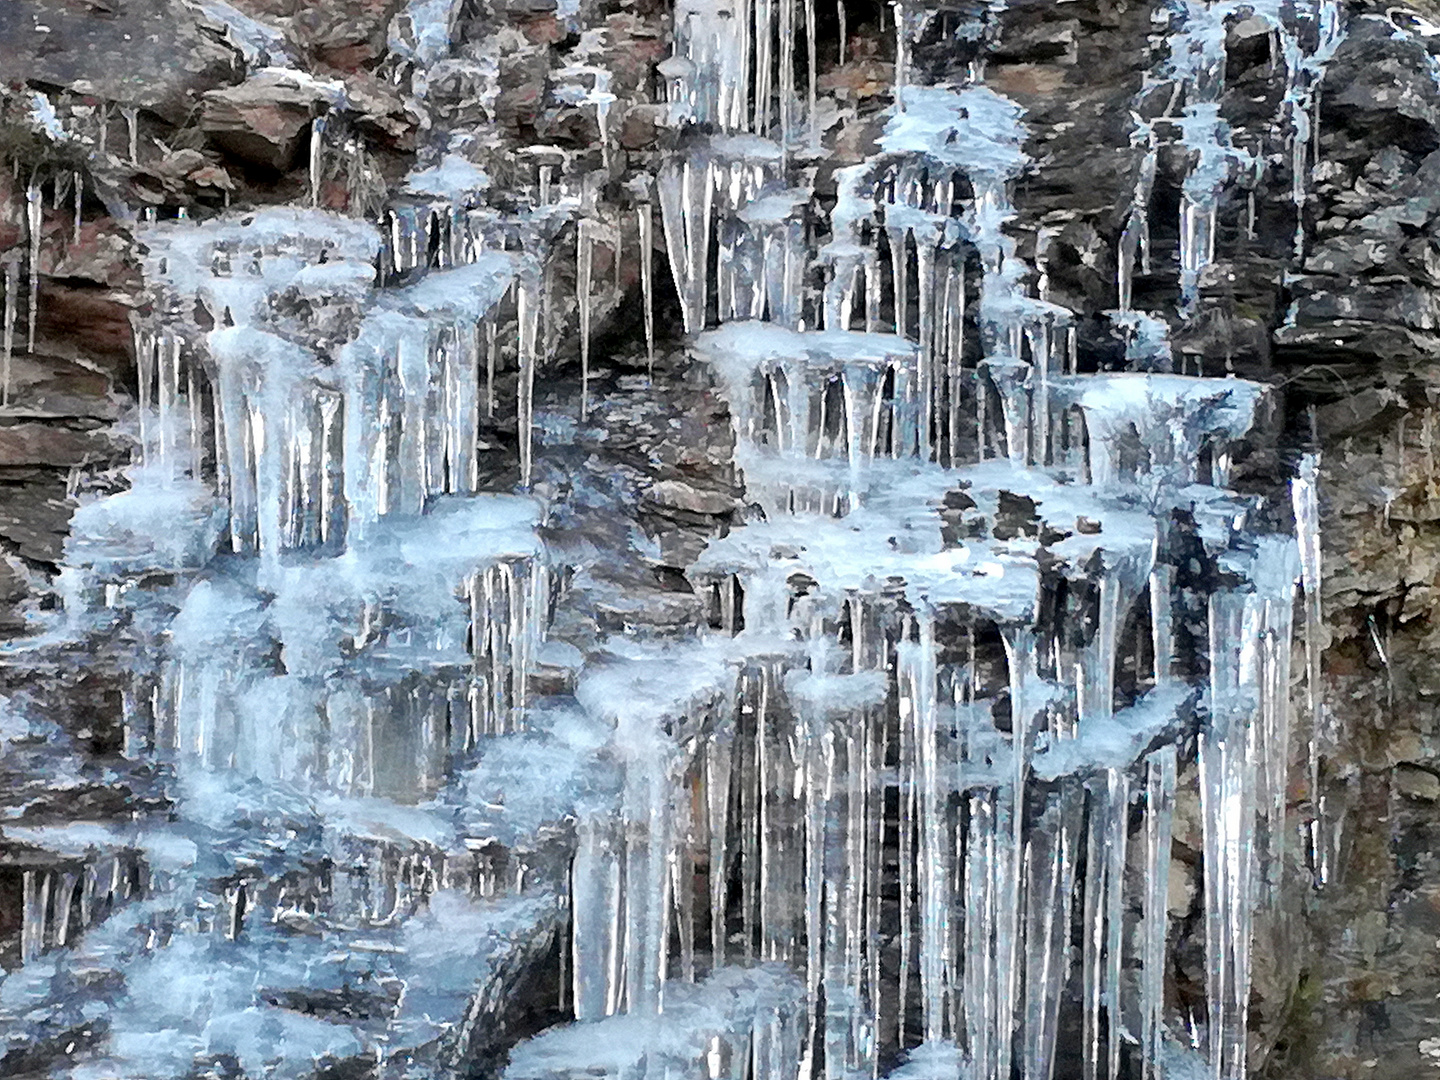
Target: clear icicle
132, 133
1305, 499
528, 309
1159, 816
317, 156
584, 271
33, 224
11, 268
79, 190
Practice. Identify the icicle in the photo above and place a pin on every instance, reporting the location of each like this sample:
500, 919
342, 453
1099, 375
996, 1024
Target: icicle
132, 131
33, 224
79, 186
1159, 815
595, 949
11, 268
812, 71
492, 352
764, 63
317, 156
687, 188
64, 901
1104, 923
933, 796
584, 267
1051, 861
1227, 796
785, 49
1161, 618
528, 315
1305, 500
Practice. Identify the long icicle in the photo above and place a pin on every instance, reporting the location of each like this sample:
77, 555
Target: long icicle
33, 223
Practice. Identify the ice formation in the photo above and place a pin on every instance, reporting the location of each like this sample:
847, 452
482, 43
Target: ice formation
907, 807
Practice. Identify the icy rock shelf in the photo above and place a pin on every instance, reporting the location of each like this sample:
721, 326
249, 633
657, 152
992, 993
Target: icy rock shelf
905, 808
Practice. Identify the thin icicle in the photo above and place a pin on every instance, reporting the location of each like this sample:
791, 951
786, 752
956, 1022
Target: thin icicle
132, 132
584, 269
317, 156
1305, 499
528, 315
79, 189
33, 224
11, 268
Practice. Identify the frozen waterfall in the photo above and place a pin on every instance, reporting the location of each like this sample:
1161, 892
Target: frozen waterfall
905, 807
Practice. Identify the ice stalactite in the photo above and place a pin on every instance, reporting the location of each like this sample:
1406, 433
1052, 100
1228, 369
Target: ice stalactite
1305, 500
591, 233
221, 710
702, 194
1197, 66
583, 84
835, 431
1135, 240
333, 459
132, 133
1304, 70
10, 267
584, 273
316, 156
34, 223
1160, 786
735, 67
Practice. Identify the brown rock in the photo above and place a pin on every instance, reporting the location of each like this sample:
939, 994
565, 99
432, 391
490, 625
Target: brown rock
678, 495
34, 511
1417, 783
265, 120
48, 387
641, 126
86, 321
1019, 79
48, 445
380, 113
149, 53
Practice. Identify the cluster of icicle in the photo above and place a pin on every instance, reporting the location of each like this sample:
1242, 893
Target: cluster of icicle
1303, 38
340, 616
333, 426
59, 902
940, 728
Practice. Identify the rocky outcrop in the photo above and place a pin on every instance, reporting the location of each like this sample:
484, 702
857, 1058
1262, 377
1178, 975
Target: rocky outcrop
1345, 321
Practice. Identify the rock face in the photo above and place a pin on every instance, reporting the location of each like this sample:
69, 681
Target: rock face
1324, 283
154, 55
263, 121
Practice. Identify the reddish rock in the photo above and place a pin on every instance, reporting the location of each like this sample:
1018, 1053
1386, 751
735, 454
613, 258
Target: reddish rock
641, 126
89, 322
542, 29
